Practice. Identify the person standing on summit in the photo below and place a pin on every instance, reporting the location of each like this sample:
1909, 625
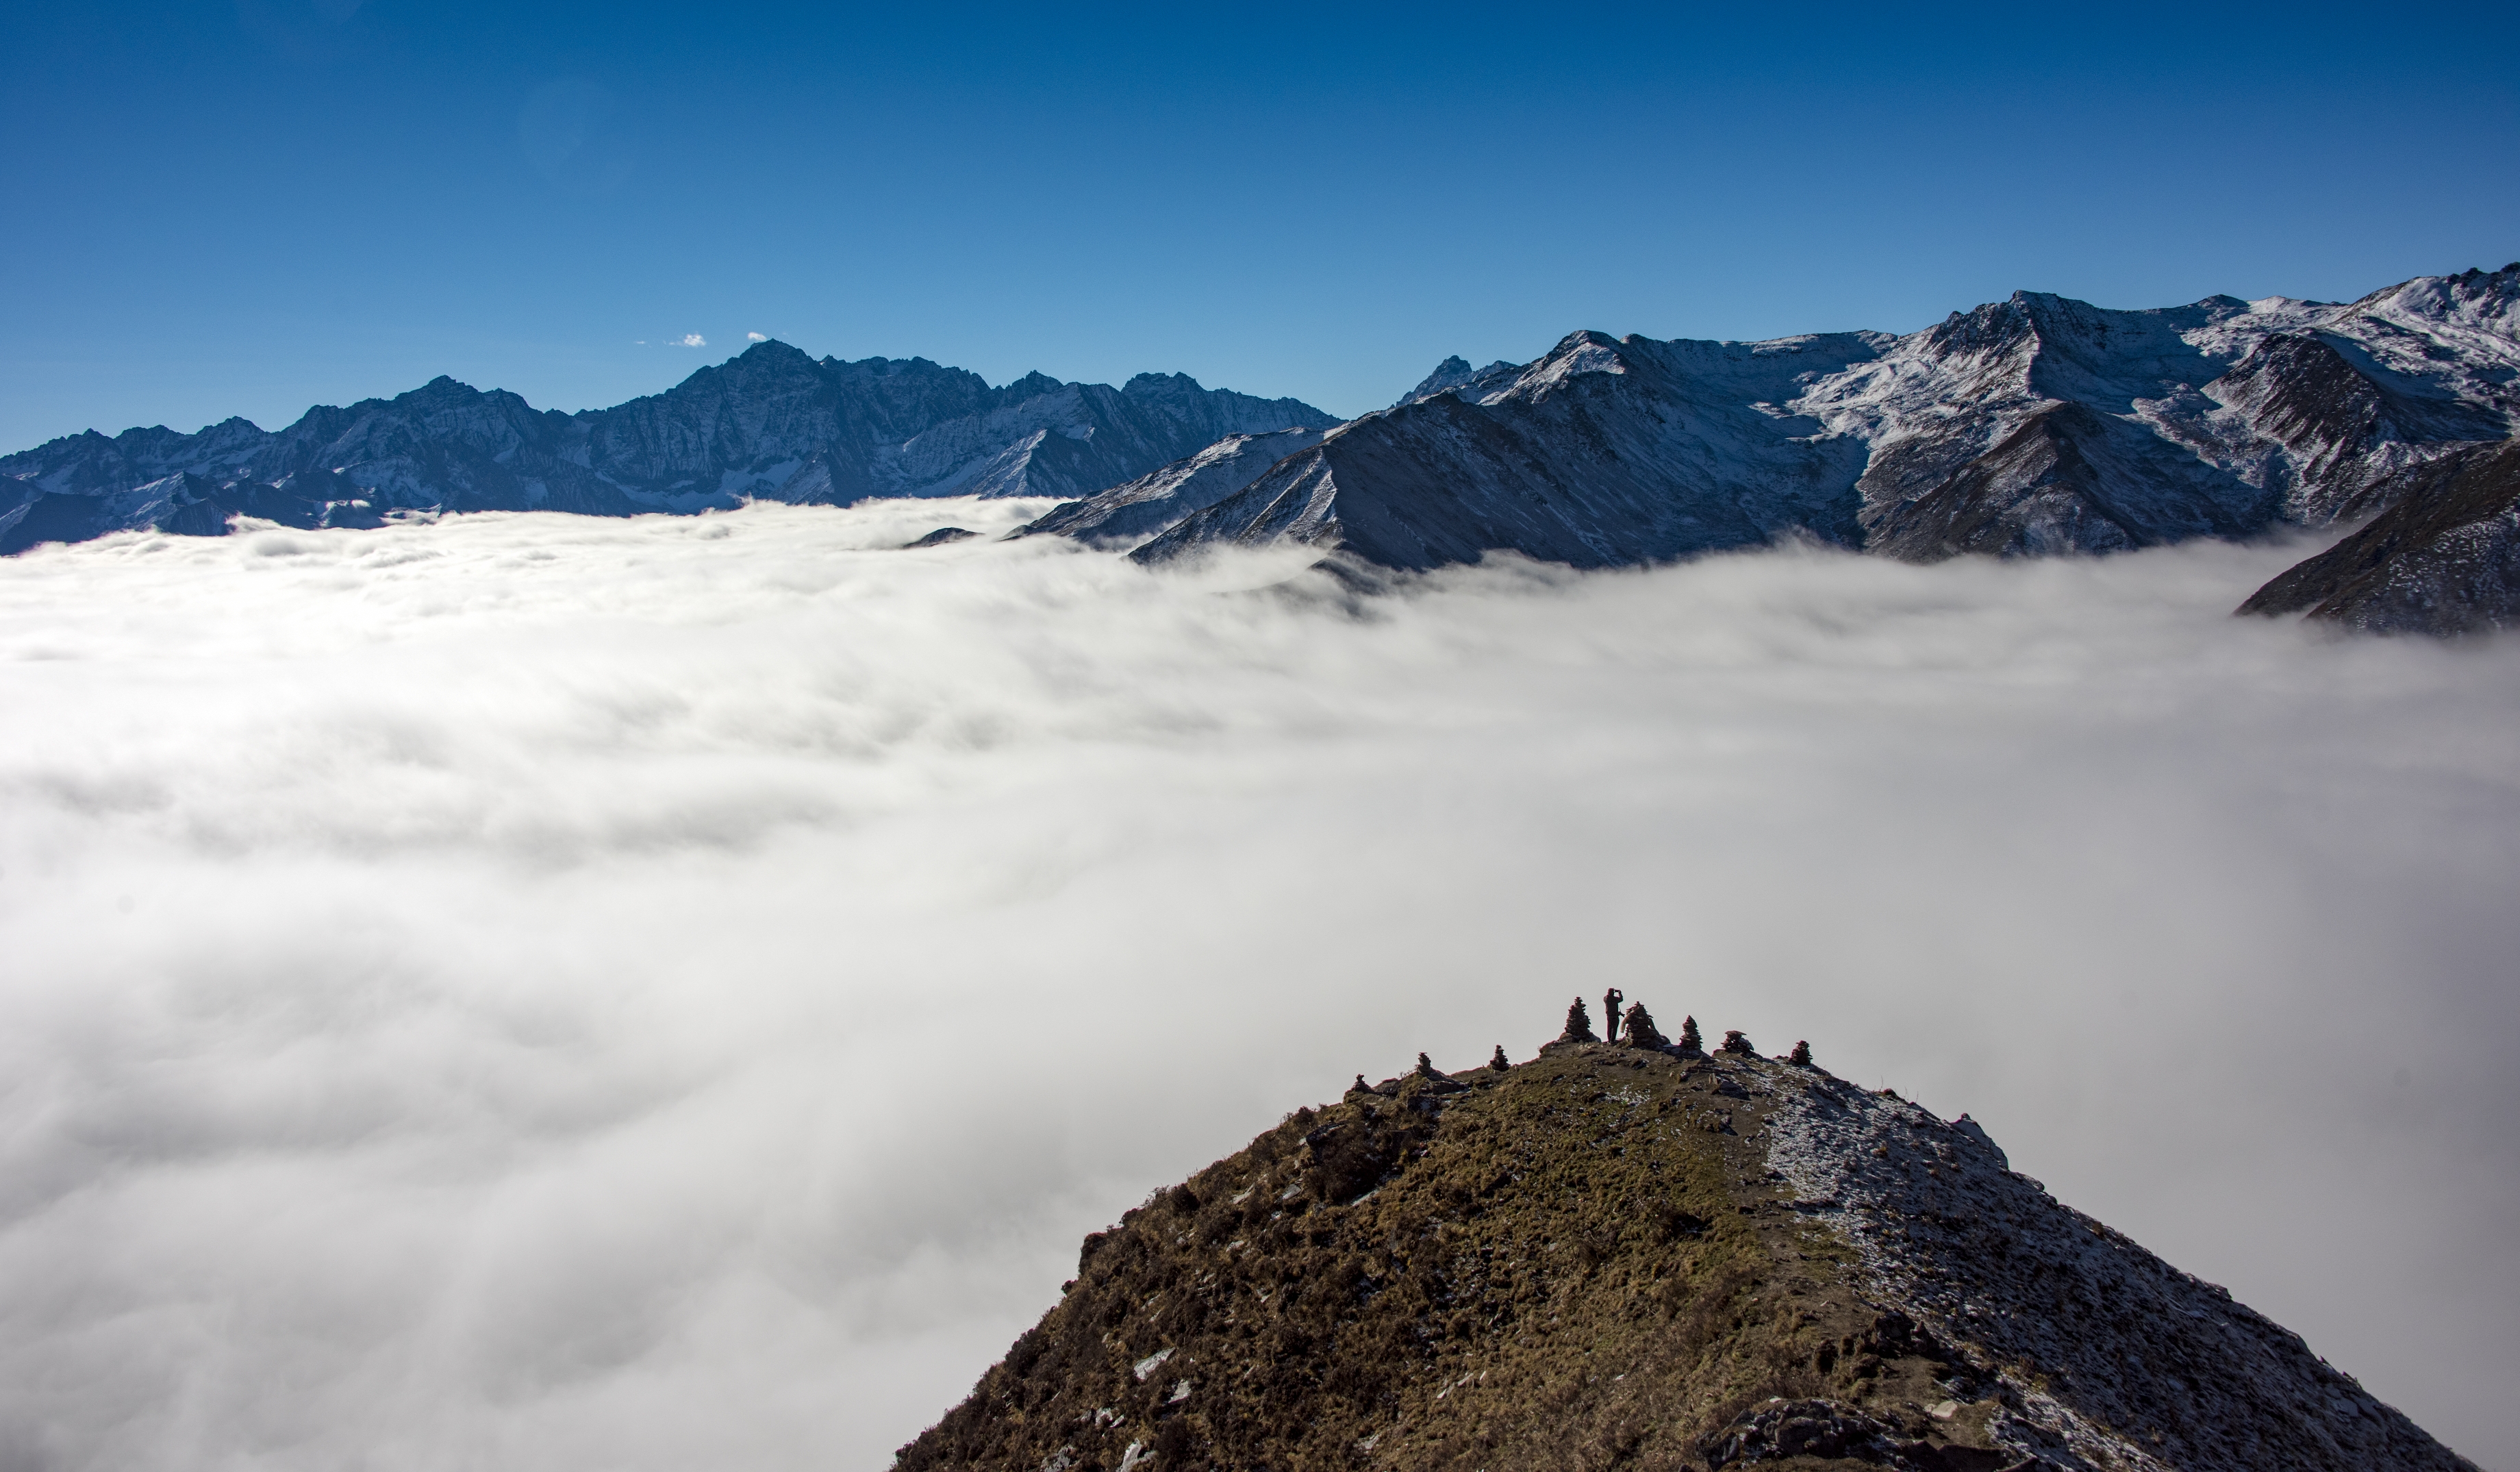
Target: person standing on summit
1610, 1001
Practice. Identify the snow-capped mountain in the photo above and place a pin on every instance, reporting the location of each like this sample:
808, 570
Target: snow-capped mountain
2035, 424
772, 423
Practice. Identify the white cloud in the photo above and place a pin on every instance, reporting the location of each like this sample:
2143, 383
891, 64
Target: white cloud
758, 336
693, 339
533, 991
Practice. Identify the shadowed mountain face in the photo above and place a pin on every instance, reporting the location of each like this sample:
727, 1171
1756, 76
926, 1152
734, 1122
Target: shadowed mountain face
2033, 426
2069, 479
770, 424
2443, 558
1608, 452
1648, 1258
1132, 512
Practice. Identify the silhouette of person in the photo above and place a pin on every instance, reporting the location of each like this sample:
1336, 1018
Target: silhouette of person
1610, 1001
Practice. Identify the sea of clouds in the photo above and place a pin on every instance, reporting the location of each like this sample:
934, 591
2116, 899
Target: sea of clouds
535, 991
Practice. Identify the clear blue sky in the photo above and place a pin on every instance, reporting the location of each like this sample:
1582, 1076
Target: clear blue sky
245, 206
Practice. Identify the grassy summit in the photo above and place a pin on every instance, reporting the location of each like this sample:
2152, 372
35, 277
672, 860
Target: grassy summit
1572, 1261
1643, 1258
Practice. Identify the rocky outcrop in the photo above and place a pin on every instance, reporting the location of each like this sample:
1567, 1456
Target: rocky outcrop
2102, 1354
1615, 1256
771, 424
2442, 559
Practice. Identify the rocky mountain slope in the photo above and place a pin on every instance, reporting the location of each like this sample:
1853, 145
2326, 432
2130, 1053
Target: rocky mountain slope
2442, 559
1137, 510
1646, 1257
772, 423
2035, 424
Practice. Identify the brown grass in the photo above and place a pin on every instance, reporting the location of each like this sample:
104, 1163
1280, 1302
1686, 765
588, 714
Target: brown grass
1568, 1264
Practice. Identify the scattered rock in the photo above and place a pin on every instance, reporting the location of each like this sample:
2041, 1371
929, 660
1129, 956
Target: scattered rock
1783, 1429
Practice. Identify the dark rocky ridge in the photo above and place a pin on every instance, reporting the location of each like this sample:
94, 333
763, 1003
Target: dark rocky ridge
1648, 1258
2443, 558
771, 424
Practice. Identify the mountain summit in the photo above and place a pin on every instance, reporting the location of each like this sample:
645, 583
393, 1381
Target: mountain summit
1651, 1257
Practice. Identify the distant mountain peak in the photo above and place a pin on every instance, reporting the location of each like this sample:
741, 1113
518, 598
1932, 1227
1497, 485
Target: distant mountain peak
769, 351
1455, 375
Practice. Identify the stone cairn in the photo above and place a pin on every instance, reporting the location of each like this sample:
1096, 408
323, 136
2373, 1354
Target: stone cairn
1634, 1028
1495, 1060
1639, 1028
1800, 1057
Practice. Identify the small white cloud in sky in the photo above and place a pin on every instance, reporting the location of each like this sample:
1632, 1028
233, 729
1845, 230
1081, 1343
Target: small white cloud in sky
758, 336
693, 339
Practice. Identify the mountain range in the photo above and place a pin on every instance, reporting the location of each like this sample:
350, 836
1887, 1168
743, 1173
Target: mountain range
2037, 425
2029, 427
770, 424
1644, 1255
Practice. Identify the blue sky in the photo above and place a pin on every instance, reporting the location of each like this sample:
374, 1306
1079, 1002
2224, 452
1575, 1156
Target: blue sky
245, 206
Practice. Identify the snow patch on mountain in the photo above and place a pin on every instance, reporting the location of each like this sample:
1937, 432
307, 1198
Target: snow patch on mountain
2034, 426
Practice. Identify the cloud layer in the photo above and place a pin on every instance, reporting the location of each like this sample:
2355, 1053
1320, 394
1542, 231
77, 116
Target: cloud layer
532, 991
